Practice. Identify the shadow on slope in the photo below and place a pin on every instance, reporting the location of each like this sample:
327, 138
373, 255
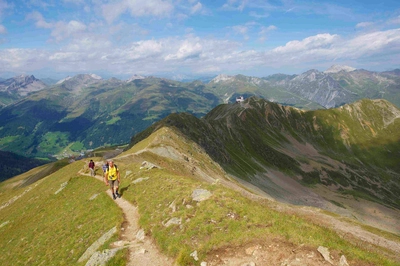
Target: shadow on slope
290, 154
13, 164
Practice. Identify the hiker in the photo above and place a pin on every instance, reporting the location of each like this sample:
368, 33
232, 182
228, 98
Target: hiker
105, 167
113, 178
91, 167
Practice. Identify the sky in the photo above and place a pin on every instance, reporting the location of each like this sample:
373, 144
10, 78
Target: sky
177, 38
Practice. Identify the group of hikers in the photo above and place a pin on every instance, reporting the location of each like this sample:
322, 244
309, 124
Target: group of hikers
111, 176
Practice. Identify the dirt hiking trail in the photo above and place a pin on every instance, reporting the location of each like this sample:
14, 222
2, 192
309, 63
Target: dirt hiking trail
142, 250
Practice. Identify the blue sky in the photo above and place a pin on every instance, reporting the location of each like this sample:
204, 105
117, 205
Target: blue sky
176, 38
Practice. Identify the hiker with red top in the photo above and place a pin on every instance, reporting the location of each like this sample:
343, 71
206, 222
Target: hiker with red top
91, 167
112, 178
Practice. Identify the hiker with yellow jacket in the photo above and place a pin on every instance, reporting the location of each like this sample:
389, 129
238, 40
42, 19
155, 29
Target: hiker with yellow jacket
112, 178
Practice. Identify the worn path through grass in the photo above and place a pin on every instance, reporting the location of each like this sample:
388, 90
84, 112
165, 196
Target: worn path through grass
141, 251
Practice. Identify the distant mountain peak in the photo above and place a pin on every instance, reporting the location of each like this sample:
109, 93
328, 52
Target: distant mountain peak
25, 76
222, 77
21, 85
62, 80
338, 68
134, 77
81, 77
95, 76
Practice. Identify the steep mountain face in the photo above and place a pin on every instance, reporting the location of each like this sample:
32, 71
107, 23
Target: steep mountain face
227, 88
18, 87
351, 150
339, 85
313, 89
319, 87
310, 90
373, 85
85, 112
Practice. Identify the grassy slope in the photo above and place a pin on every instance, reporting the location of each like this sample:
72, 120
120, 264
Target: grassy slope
241, 138
41, 227
227, 219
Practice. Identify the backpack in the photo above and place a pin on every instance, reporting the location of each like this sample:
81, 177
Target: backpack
114, 166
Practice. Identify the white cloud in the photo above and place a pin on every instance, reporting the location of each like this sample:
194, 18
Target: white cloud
235, 5
257, 15
91, 53
60, 30
244, 29
188, 49
314, 42
137, 8
64, 30
371, 43
330, 48
241, 29
145, 49
196, 8
364, 24
40, 21
265, 30
89, 43
17, 59
3, 29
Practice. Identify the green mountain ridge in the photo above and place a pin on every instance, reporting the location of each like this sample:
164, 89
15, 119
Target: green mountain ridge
354, 149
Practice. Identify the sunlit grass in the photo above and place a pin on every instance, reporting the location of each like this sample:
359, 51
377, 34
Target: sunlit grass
226, 219
47, 228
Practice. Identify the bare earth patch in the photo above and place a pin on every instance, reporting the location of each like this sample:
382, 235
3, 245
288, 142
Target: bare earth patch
269, 252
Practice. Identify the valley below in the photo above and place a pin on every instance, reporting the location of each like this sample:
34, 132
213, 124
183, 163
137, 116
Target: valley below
279, 185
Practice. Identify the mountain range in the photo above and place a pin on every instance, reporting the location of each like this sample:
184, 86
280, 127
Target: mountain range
85, 111
304, 161
237, 185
